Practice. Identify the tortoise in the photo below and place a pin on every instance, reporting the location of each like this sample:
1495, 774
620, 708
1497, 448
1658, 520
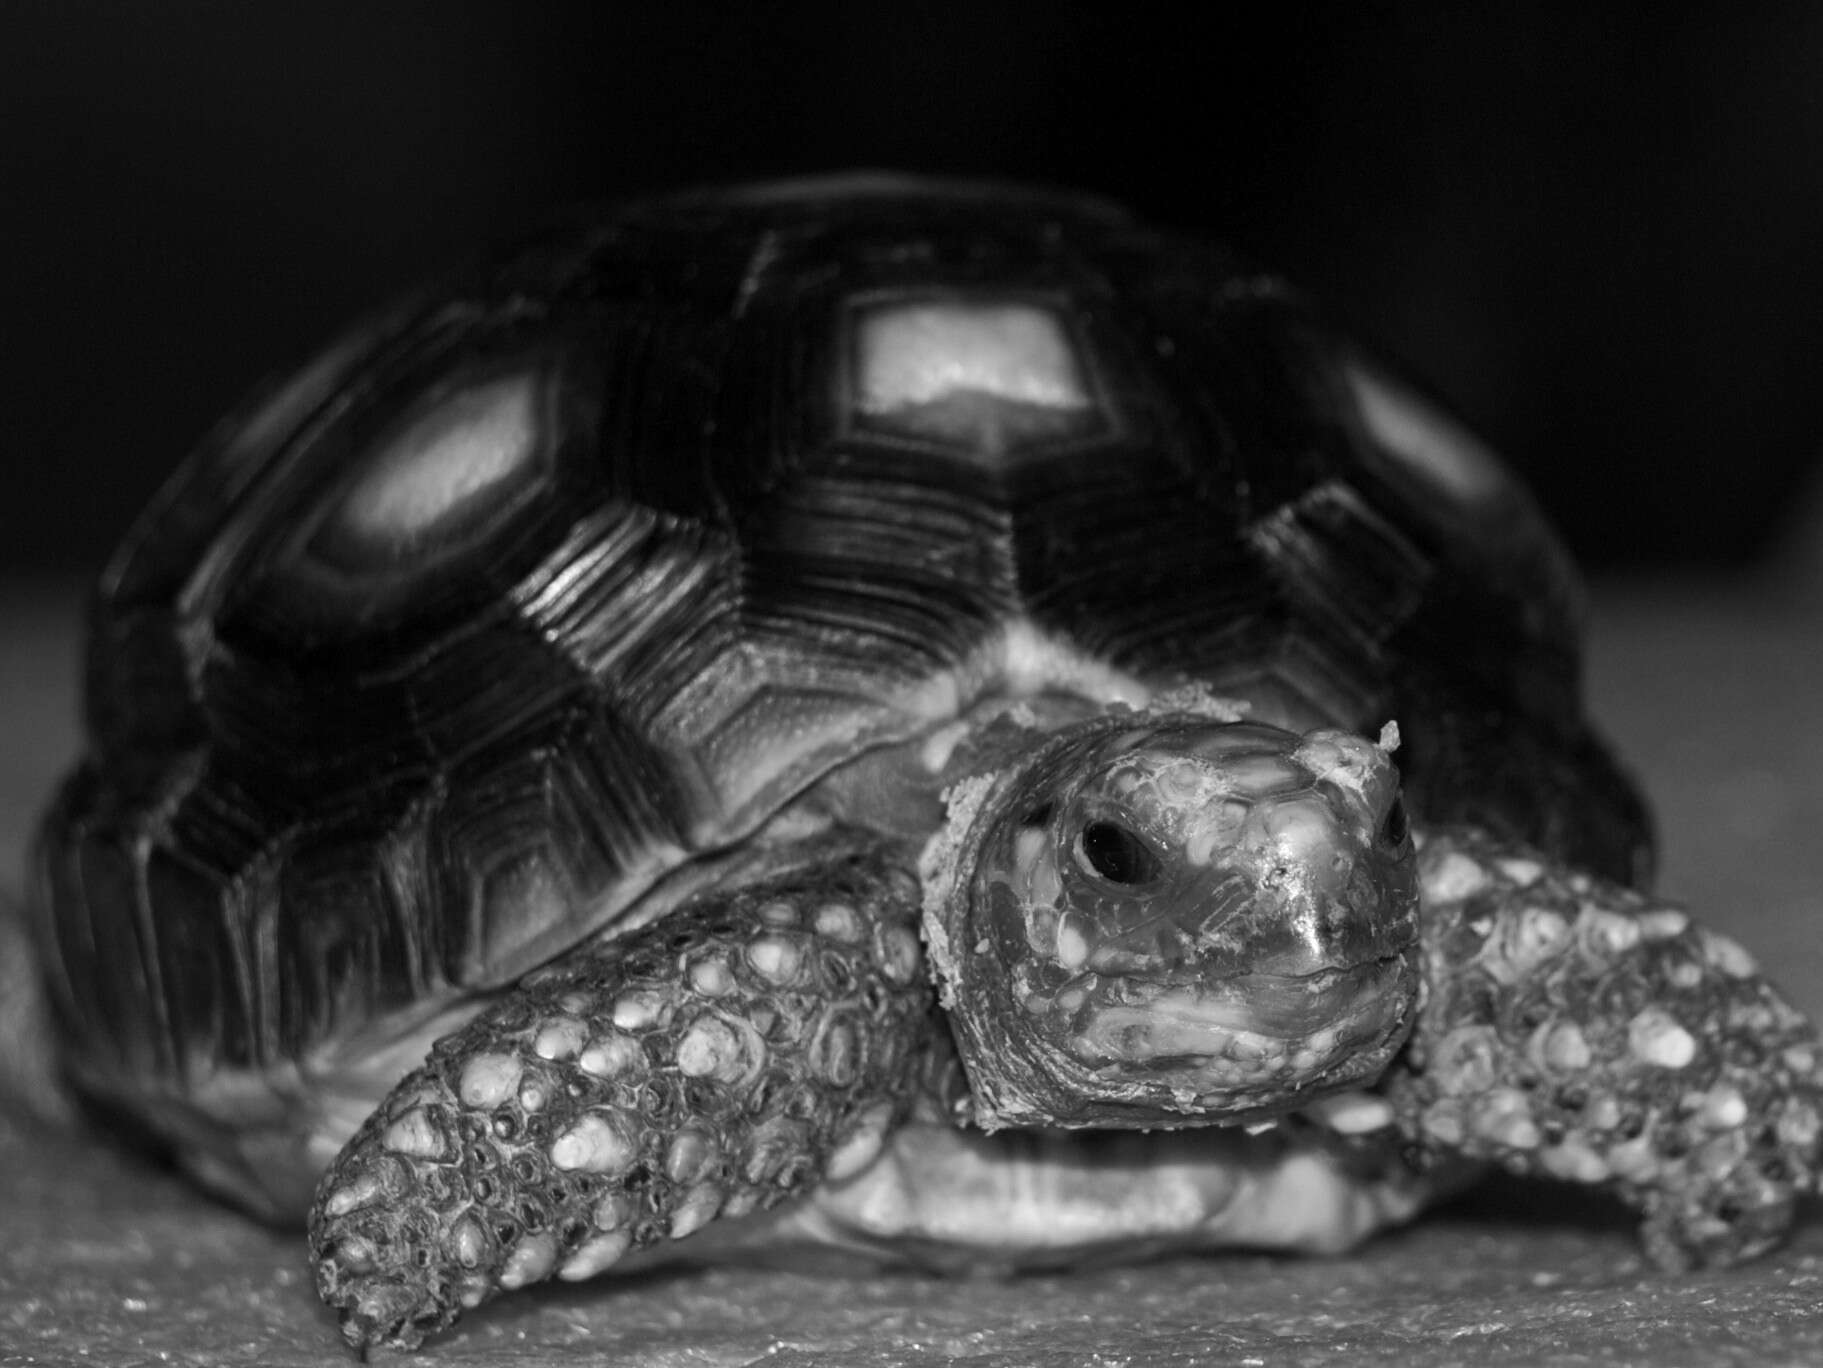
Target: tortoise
928, 719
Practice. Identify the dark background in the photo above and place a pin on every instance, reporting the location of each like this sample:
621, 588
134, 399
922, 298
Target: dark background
1599, 233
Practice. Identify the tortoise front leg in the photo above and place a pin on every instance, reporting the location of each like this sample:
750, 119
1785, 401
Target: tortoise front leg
1577, 1029
711, 1063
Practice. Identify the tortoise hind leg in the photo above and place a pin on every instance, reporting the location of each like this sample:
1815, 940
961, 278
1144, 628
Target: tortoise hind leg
710, 1063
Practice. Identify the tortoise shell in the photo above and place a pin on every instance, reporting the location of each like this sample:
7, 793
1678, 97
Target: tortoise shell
436, 656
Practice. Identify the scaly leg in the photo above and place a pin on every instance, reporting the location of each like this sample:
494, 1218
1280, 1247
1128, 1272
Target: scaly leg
1578, 1029
711, 1063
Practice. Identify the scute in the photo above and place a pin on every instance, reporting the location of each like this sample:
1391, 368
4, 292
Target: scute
423, 489
418, 498
578, 569
990, 379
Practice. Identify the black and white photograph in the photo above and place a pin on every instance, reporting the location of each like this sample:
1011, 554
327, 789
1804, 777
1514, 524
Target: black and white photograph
857, 685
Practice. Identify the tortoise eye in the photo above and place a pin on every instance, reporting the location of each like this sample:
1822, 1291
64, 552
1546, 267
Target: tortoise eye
1396, 826
1116, 854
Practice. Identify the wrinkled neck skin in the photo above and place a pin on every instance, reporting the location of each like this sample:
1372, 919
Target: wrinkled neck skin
1159, 919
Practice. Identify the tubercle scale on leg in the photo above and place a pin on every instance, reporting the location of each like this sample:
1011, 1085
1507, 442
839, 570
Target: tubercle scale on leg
709, 1064
1577, 1029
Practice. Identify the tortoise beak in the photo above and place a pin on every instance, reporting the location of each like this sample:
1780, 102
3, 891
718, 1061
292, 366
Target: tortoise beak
1290, 1007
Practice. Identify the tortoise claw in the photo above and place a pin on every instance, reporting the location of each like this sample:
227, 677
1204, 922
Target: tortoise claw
378, 1306
361, 1330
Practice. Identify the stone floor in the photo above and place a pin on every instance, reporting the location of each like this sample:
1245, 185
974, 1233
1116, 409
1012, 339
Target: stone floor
1711, 688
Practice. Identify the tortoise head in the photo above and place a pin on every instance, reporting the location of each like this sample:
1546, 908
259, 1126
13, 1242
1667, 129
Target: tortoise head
1155, 920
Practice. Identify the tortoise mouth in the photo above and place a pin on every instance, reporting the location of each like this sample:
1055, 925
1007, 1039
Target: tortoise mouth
1293, 1005
1256, 1031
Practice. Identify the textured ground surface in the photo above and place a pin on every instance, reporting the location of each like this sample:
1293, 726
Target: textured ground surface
1711, 690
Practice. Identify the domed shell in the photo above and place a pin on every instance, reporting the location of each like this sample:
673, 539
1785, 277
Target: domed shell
434, 658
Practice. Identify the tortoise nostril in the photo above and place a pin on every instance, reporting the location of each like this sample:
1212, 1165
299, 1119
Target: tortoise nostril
1117, 854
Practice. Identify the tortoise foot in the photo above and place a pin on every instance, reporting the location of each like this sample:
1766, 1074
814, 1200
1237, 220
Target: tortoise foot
707, 1065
